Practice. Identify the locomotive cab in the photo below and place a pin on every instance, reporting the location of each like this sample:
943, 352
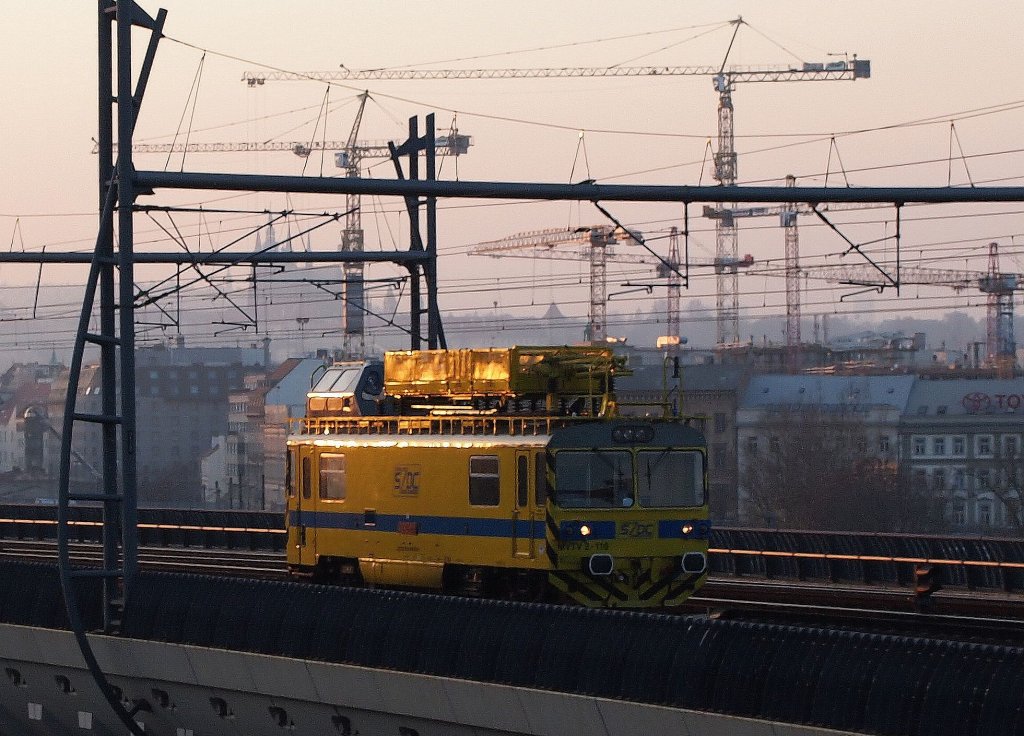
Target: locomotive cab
628, 512
347, 389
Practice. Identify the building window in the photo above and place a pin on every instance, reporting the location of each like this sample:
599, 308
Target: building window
332, 477
984, 444
959, 478
938, 445
883, 443
720, 422
1010, 446
774, 446
920, 478
752, 445
939, 480
959, 446
959, 513
919, 446
984, 480
484, 486
985, 514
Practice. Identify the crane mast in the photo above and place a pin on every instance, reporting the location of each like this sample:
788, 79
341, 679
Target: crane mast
1001, 346
788, 219
675, 282
352, 288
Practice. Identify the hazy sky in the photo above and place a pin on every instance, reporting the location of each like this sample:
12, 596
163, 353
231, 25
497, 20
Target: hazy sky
954, 64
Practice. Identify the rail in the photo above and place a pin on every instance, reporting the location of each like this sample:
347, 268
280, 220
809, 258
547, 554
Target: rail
970, 563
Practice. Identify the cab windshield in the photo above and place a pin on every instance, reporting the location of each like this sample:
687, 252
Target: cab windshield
338, 380
593, 479
670, 478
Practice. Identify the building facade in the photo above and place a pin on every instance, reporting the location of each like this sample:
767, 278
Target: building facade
774, 405
962, 439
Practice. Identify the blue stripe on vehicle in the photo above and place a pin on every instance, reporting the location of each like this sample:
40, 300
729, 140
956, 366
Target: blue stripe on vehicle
673, 529
569, 531
443, 525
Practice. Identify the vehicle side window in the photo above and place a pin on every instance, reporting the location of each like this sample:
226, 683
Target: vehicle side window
307, 471
484, 485
541, 489
332, 477
522, 481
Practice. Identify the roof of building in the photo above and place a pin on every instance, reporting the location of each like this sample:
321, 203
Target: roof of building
828, 391
25, 396
278, 392
695, 378
967, 396
713, 377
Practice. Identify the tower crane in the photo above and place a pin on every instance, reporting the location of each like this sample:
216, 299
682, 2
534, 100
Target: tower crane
726, 230
353, 295
725, 78
595, 244
787, 215
999, 286
349, 156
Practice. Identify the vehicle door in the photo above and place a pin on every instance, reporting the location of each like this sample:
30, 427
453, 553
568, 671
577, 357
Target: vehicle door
525, 515
305, 506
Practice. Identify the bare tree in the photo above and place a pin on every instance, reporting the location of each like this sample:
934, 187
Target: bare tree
817, 471
1005, 485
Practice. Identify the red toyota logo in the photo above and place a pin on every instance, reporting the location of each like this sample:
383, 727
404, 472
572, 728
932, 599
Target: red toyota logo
975, 402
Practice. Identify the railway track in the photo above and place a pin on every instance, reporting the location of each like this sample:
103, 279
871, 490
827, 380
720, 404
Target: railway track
238, 563
992, 618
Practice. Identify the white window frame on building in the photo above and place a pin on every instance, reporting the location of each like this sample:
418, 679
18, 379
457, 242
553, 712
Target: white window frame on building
959, 446
984, 512
983, 445
1011, 446
938, 446
958, 511
918, 445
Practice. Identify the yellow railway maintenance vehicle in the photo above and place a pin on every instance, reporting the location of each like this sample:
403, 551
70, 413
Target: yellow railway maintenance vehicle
500, 473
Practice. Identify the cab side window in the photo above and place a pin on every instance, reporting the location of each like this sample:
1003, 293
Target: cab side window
289, 474
307, 472
484, 481
333, 477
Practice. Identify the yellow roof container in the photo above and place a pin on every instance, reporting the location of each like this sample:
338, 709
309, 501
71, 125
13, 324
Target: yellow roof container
515, 371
